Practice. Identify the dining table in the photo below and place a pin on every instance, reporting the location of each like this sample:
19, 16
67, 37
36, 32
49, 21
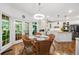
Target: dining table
38, 37
43, 45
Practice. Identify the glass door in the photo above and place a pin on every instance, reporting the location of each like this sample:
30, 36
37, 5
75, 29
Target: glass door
5, 30
18, 30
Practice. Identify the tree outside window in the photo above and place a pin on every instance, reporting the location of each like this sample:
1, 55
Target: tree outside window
5, 30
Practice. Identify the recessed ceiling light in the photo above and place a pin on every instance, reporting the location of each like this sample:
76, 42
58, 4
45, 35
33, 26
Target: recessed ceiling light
70, 11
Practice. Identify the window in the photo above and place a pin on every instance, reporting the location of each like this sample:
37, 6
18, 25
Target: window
5, 30
18, 30
26, 28
34, 25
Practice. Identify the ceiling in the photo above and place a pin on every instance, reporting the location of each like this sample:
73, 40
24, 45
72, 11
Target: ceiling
50, 10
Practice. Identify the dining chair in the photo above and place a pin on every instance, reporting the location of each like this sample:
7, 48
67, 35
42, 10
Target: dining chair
51, 37
43, 47
29, 45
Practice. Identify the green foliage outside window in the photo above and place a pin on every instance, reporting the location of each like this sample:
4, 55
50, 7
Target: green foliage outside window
5, 30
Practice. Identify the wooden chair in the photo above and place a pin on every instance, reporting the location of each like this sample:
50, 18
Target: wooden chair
51, 38
29, 45
43, 47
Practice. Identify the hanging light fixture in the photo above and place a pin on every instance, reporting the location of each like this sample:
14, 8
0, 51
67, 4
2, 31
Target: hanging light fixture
39, 15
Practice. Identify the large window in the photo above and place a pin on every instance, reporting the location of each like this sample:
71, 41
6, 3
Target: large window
18, 30
5, 30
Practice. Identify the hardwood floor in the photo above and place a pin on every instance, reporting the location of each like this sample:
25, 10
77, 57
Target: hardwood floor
61, 48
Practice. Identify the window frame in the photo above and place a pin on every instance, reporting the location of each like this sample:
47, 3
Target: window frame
17, 38
5, 42
27, 29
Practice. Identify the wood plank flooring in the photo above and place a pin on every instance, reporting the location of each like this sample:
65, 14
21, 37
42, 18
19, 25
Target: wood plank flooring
61, 48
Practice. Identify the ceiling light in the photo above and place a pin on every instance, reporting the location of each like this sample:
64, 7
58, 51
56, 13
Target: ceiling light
70, 11
39, 16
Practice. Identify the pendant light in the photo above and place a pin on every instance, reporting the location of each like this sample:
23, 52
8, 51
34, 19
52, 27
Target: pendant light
39, 15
